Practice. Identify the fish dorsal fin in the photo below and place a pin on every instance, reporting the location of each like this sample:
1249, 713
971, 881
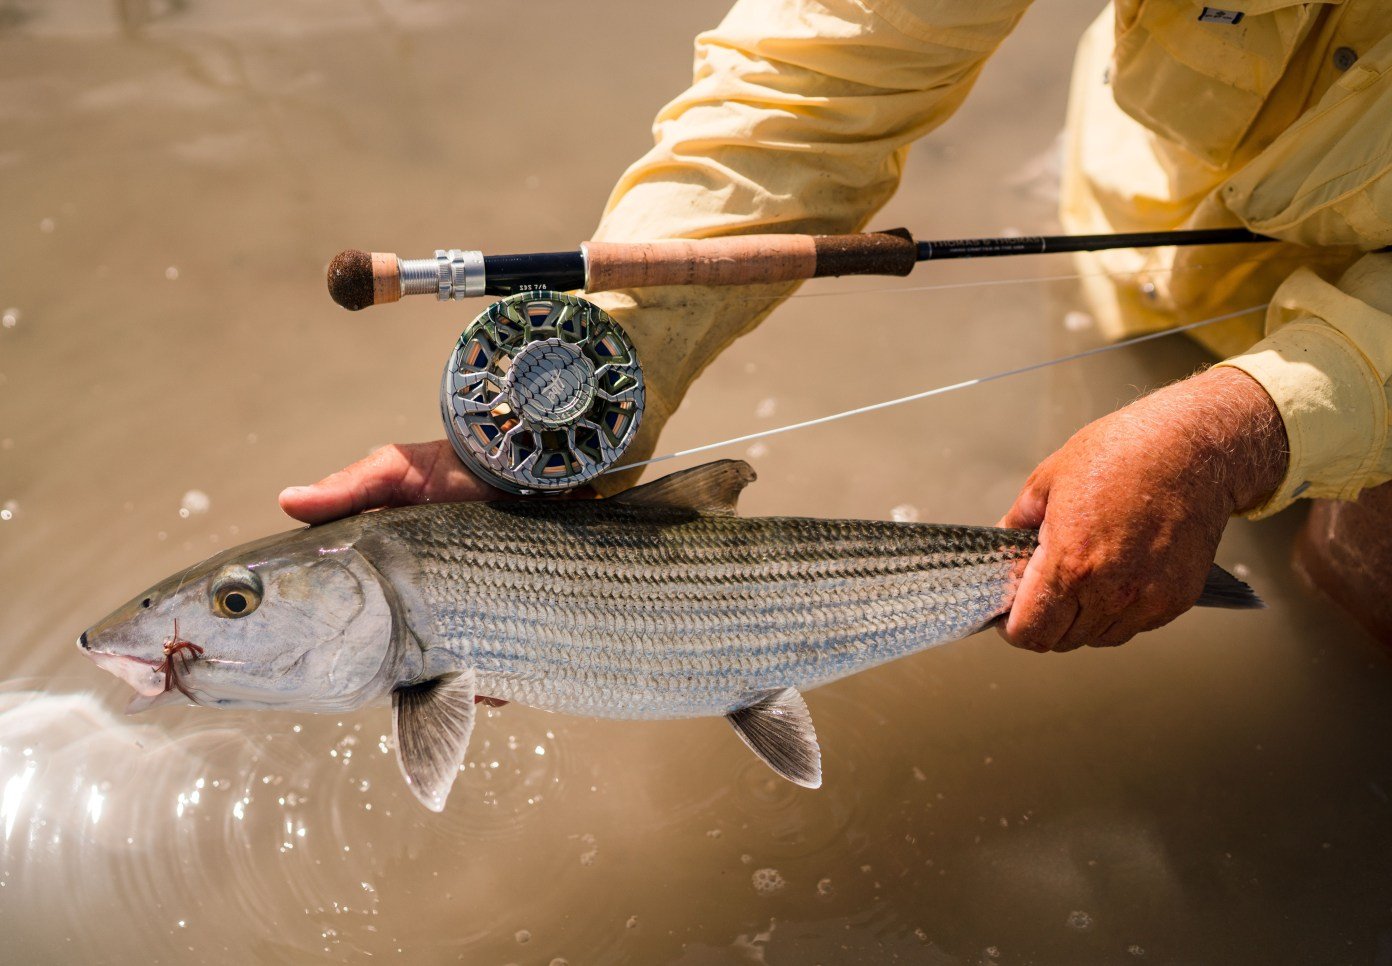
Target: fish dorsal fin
778, 728
431, 722
711, 488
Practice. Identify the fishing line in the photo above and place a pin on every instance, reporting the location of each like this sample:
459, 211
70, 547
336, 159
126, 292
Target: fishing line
940, 390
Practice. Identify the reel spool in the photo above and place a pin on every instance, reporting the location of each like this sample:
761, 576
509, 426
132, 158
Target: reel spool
542, 393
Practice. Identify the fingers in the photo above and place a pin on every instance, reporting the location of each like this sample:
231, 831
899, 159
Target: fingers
368, 483
1044, 608
1153, 608
1100, 611
396, 475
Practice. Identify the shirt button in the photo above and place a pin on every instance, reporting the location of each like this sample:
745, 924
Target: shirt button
1345, 57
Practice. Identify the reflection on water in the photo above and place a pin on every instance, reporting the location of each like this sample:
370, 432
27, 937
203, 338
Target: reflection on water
174, 177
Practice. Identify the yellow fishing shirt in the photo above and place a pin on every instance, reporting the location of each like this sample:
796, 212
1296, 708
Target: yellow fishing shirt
1273, 114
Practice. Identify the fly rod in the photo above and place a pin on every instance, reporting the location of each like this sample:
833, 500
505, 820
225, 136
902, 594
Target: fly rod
544, 390
358, 279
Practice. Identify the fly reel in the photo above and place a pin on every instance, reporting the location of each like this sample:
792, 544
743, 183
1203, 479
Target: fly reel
542, 393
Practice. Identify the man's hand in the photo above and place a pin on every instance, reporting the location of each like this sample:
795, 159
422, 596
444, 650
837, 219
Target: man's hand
1130, 510
398, 475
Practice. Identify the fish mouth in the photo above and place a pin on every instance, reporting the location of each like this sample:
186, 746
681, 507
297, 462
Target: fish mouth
141, 674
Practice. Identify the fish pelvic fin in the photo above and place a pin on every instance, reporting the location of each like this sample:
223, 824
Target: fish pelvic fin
711, 488
778, 728
1222, 589
431, 723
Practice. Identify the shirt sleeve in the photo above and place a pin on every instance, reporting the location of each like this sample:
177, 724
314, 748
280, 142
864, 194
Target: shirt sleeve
1325, 182
1326, 362
798, 119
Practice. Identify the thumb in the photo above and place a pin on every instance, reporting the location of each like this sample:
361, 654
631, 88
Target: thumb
1027, 512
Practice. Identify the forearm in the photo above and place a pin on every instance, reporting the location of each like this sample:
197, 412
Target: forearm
798, 120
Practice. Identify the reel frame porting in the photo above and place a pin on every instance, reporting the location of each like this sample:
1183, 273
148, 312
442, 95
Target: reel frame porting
542, 393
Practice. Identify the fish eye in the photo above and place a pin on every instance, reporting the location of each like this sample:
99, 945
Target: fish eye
236, 592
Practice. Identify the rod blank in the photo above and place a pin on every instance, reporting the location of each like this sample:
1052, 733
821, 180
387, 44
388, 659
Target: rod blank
929, 251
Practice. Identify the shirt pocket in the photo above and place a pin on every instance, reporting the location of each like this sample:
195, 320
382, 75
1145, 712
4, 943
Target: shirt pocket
1327, 179
1200, 83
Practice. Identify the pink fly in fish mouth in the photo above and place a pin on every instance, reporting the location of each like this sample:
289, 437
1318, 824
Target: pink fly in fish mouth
178, 655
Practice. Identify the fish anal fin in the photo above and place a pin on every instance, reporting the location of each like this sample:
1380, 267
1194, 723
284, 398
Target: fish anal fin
431, 723
711, 488
778, 728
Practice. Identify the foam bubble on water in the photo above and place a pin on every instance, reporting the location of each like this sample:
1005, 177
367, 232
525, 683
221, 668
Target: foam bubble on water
10, 510
1078, 321
757, 451
824, 887
1241, 571
522, 936
592, 850
766, 408
194, 503
766, 882
751, 946
904, 513
171, 273
1079, 920
558, 961
47, 225
991, 952
10, 318
632, 923
1136, 950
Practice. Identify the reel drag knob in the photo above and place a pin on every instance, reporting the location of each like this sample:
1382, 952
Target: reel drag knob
542, 393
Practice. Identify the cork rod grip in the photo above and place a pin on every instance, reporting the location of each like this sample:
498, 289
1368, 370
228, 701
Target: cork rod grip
747, 259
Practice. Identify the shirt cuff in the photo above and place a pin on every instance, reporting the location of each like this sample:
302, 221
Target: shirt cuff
1333, 406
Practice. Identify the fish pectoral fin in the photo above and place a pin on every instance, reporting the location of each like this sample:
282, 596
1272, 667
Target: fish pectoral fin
778, 728
711, 488
431, 723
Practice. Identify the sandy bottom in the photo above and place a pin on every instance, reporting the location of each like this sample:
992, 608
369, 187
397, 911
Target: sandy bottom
173, 178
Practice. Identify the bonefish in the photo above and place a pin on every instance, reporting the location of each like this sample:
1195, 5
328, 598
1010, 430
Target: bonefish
659, 602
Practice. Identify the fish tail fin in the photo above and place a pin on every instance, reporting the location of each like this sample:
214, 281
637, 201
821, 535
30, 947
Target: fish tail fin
1222, 589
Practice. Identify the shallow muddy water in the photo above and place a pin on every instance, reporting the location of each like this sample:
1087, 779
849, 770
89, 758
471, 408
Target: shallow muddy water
173, 178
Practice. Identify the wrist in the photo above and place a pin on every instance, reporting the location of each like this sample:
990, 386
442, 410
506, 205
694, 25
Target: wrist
1237, 431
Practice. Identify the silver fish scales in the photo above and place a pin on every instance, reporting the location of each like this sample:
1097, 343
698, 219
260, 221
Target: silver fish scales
657, 603
613, 610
